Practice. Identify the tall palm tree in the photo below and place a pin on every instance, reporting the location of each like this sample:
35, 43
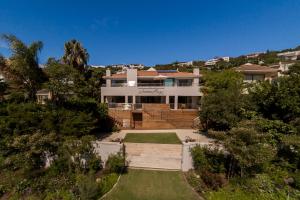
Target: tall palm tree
23, 66
75, 55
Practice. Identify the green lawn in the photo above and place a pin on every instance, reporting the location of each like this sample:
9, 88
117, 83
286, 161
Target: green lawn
152, 185
159, 138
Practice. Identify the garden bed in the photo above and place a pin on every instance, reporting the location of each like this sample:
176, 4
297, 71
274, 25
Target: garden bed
158, 138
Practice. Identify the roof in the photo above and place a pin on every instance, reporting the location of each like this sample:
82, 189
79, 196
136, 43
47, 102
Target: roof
167, 74
254, 68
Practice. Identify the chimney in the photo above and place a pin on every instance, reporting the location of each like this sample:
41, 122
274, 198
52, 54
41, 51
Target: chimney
108, 80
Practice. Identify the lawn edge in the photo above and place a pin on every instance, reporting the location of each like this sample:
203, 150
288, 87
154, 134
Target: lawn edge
111, 188
189, 185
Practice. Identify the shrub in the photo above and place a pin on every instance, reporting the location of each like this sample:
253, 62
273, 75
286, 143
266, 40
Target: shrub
207, 159
200, 161
61, 195
2, 190
88, 188
107, 182
116, 164
195, 181
296, 178
213, 181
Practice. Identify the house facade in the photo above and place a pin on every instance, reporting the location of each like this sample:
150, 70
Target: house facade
253, 73
133, 88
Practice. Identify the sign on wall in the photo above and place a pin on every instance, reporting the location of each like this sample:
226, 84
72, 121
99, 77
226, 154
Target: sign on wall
150, 91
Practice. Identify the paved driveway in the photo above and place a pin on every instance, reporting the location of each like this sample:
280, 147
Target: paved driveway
157, 156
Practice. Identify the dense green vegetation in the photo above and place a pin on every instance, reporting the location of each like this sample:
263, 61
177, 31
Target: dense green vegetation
257, 128
158, 138
46, 151
159, 185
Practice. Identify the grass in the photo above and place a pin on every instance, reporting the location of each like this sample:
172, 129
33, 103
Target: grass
150, 185
159, 138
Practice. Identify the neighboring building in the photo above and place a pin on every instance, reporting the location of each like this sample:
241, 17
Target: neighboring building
253, 73
43, 96
127, 66
282, 67
290, 55
254, 55
182, 64
214, 61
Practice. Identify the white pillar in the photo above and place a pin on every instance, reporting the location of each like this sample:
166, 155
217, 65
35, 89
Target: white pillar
176, 103
133, 99
126, 99
102, 99
108, 80
167, 99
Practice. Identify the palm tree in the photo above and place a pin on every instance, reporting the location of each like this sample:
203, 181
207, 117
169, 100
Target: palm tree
23, 68
75, 55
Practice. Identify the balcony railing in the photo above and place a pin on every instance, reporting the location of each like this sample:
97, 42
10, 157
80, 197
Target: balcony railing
154, 85
139, 106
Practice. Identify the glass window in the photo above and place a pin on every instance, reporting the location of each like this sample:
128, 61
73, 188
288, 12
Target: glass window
259, 77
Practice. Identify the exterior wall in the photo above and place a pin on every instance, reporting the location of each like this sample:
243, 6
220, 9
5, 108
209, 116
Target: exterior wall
151, 91
105, 149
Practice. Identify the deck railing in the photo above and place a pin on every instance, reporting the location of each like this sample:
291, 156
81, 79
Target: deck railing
139, 106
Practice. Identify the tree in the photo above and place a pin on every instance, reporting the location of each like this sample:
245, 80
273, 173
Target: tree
61, 79
250, 148
23, 67
279, 99
75, 55
223, 100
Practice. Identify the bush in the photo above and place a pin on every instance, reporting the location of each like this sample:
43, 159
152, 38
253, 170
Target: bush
200, 161
2, 190
296, 178
88, 188
61, 195
207, 159
107, 182
195, 181
213, 181
115, 164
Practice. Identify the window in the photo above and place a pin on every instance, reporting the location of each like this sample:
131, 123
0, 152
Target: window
185, 82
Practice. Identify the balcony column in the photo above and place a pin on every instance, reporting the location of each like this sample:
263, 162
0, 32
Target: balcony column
126, 99
167, 99
102, 99
176, 103
133, 99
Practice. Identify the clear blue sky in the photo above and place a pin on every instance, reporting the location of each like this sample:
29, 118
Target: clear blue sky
153, 31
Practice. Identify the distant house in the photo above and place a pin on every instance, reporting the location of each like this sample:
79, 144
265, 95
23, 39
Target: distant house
214, 61
290, 55
253, 73
254, 55
182, 64
282, 67
127, 66
43, 96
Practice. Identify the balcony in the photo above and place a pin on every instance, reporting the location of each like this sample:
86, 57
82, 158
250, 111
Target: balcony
139, 106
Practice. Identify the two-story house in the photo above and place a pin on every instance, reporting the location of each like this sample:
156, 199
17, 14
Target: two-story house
153, 98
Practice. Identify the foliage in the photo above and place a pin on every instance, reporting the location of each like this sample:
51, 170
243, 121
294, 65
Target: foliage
61, 80
107, 182
116, 164
88, 188
75, 55
23, 68
223, 101
250, 149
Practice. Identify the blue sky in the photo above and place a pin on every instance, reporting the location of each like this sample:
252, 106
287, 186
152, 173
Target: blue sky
153, 31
